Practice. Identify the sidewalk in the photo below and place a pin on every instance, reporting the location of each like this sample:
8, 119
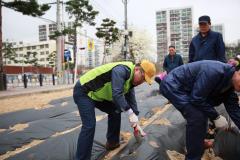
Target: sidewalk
14, 92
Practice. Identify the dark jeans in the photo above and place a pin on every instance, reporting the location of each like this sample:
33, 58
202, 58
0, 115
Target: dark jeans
86, 107
196, 127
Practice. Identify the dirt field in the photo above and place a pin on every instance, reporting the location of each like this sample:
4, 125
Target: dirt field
37, 101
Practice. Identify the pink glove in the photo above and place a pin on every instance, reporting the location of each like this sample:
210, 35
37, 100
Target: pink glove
162, 75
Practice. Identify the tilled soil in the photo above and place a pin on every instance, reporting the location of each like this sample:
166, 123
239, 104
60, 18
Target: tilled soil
37, 101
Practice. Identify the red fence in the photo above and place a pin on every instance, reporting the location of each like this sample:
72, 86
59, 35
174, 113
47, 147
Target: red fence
29, 69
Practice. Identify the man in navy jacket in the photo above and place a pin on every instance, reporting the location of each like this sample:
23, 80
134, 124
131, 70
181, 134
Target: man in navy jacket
207, 44
195, 89
172, 60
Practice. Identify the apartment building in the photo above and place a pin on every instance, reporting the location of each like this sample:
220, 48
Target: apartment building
46, 30
43, 49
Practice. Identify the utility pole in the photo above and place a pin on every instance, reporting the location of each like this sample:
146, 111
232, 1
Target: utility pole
125, 50
75, 51
58, 44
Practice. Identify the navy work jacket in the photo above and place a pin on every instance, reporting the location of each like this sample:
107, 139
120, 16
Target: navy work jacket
210, 47
206, 84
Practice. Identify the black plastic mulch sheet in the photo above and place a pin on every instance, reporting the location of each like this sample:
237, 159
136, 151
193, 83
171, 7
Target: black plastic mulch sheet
64, 146
159, 139
40, 129
58, 148
28, 115
226, 144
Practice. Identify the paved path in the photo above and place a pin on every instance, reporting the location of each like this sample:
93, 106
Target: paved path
13, 92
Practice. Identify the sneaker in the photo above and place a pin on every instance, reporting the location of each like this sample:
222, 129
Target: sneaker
112, 145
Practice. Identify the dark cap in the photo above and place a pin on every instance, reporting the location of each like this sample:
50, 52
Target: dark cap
204, 19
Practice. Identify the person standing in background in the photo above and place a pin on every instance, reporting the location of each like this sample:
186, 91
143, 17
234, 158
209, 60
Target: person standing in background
172, 60
207, 44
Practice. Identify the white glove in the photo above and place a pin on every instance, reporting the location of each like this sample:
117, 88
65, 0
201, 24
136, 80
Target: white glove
221, 122
133, 118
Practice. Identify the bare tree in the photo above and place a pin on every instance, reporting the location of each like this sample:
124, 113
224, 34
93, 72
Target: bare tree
140, 46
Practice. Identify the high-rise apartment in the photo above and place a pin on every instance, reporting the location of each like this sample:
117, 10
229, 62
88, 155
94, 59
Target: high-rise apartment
46, 30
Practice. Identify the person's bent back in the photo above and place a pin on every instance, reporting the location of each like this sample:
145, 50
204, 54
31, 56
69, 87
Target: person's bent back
195, 89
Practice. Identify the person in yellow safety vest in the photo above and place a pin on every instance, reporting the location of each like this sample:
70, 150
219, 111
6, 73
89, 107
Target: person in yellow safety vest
110, 88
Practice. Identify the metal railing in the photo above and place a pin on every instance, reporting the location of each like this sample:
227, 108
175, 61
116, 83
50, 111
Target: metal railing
33, 80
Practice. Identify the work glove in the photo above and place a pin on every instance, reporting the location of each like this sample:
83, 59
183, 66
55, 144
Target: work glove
133, 118
221, 122
138, 131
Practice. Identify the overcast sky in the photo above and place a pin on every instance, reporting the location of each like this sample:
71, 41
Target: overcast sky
141, 14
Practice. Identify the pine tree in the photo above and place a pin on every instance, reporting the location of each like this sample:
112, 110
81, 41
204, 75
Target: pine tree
30, 58
31, 8
109, 33
9, 53
82, 12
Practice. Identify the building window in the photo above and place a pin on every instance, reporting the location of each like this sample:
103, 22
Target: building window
52, 28
28, 48
46, 45
42, 59
47, 52
34, 47
41, 53
42, 37
42, 26
41, 46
